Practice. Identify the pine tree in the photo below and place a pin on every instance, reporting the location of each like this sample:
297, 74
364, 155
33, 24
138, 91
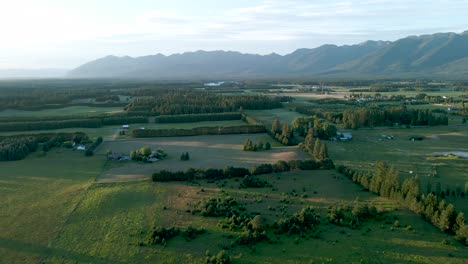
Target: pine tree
275, 127
447, 218
267, 146
323, 154
459, 223
317, 147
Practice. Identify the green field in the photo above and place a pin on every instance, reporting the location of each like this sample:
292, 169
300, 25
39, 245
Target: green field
410, 158
268, 116
38, 196
205, 152
108, 132
66, 111
54, 212
106, 226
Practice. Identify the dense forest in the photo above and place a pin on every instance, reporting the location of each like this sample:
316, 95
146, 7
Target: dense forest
183, 102
356, 117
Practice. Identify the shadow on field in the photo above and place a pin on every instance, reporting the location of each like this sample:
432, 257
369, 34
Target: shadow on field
21, 246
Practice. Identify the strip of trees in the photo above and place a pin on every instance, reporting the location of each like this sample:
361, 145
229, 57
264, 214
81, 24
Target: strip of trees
197, 117
19, 146
314, 125
356, 117
185, 101
314, 147
250, 146
243, 129
58, 124
233, 172
90, 151
283, 133
385, 181
370, 117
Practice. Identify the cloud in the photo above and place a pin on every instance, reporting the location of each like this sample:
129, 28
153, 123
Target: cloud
261, 26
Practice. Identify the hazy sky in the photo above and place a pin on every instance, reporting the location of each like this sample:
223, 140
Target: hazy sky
67, 33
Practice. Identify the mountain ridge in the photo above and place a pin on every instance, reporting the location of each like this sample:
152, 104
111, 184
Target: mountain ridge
440, 55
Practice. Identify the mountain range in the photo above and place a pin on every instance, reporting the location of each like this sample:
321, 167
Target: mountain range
441, 55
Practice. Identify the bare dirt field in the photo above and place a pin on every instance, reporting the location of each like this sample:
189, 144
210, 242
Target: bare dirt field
205, 152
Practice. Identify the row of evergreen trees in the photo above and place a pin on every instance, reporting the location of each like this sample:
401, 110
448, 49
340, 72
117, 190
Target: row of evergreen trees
283, 133
385, 181
371, 117
90, 151
250, 146
319, 128
185, 156
314, 147
197, 117
218, 174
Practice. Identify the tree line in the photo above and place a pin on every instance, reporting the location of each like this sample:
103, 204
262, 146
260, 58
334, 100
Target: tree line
355, 117
250, 146
217, 130
184, 101
19, 146
314, 147
385, 181
197, 117
58, 124
283, 133
370, 117
218, 174
90, 151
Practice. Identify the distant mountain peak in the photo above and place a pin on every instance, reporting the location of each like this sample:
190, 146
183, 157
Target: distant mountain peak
441, 54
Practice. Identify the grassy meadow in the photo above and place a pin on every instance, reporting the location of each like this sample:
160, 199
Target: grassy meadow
205, 152
111, 221
38, 196
422, 158
66, 111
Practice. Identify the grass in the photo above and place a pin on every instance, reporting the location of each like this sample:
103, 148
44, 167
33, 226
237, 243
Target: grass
205, 152
410, 158
66, 111
38, 195
268, 116
108, 132
113, 218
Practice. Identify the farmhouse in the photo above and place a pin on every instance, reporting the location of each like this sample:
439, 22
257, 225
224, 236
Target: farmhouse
344, 136
116, 156
81, 147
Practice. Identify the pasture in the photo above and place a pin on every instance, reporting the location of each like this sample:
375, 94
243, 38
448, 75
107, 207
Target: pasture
66, 111
109, 224
38, 195
109, 132
421, 158
205, 152
268, 116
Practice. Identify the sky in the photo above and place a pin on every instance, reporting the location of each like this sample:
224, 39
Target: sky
67, 33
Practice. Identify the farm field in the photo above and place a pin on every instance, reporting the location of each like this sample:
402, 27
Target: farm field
108, 132
205, 152
268, 116
420, 158
67, 111
38, 195
113, 219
